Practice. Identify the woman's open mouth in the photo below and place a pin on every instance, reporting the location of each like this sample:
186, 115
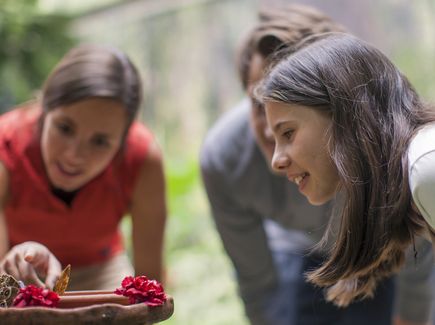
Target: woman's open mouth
68, 172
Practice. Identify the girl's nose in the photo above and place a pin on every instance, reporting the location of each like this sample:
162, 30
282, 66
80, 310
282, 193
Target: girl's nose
280, 161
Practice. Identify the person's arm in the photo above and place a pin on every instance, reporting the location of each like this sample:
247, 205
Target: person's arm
29, 261
245, 242
148, 212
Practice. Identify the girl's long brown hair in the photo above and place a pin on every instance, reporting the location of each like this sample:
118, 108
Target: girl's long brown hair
375, 113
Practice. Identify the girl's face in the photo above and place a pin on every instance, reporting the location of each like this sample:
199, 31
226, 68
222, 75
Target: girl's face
79, 140
302, 135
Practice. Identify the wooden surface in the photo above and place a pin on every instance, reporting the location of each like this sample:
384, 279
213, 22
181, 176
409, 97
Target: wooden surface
94, 314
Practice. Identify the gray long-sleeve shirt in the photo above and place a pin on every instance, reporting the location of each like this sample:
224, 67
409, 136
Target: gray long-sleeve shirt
243, 192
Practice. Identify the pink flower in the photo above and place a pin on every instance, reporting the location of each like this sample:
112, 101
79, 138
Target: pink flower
35, 296
140, 289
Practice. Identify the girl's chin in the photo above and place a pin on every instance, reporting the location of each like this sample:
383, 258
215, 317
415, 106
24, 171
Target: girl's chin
318, 201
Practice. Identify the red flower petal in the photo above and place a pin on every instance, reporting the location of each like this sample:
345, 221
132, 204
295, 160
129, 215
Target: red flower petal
34, 296
140, 289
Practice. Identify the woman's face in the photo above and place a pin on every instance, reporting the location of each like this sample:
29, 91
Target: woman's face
79, 141
262, 133
301, 152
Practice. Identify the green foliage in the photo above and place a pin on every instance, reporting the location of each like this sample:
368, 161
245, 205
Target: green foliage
32, 43
418, 65
200, 277
185, 202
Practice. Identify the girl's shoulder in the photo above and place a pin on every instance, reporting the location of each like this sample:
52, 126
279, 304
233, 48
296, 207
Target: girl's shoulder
422, 143
421, 170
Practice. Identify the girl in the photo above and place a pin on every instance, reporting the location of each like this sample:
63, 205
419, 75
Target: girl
71, 166
348, 125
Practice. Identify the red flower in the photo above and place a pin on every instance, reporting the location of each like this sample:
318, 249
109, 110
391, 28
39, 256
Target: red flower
35, 296
140, 289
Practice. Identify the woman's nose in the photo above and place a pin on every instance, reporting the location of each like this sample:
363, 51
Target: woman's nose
76, 151
280, 161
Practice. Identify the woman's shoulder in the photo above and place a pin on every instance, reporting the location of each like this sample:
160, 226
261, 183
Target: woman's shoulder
17, 128
20, 116
137, 144
139, 135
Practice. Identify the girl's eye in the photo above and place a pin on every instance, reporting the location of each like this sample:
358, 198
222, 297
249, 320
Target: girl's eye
288, 134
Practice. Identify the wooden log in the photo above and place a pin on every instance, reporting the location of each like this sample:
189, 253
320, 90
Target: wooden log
86, 292
75, 300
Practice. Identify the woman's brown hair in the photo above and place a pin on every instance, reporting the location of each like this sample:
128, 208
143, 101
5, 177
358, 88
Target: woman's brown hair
375, 112
93, 71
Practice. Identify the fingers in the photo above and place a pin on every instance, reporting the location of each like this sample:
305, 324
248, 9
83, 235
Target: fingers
29, 255
53, 272
38, 256
30, 260
28, 273
15, 265
50, 280
45, 263
9, 266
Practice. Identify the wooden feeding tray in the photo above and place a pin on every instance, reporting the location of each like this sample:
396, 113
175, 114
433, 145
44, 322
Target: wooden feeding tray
79, 307
89, 307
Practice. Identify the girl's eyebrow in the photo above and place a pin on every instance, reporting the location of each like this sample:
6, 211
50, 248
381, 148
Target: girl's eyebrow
278, 126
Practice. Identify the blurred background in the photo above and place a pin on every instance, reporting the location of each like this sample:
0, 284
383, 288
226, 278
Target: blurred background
185, 51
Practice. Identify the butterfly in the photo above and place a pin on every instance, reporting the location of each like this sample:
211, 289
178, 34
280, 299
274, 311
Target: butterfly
62, 283
9, 288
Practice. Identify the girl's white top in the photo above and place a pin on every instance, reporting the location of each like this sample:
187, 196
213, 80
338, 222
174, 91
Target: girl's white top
421, 158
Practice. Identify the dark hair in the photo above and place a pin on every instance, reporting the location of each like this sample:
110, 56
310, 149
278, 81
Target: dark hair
93, 71
375, 112
280, 27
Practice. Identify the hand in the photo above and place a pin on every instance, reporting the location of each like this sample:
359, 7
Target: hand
31, 261
400, 321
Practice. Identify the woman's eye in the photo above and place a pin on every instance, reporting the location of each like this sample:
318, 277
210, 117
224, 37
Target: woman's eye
65, 129
100, 142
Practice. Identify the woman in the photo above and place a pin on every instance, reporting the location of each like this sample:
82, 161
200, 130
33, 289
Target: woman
349, 126
71, 166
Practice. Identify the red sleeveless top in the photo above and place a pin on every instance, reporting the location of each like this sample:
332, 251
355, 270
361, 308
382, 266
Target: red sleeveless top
86, 232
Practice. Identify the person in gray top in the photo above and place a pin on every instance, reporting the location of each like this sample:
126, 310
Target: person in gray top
267, 227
